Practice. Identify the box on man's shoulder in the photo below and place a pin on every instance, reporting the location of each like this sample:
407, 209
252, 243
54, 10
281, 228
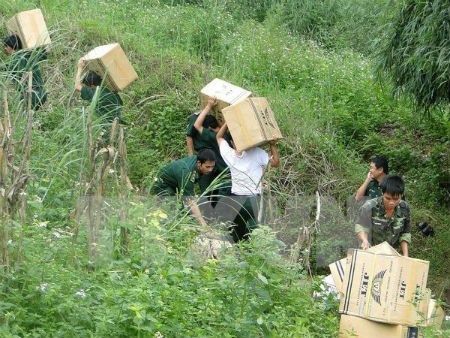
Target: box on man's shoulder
251, 123
110, 60
30, 27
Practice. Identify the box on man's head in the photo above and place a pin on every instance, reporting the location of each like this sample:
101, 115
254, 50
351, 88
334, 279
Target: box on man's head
30, 27
110, 60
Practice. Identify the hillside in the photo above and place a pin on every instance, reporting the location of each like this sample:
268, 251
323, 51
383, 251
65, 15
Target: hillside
316, 66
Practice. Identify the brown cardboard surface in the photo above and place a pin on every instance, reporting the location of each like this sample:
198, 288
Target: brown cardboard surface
251, 123
351, 326
384, 288
338, 268
111, 60
30, 27
225, 93
436, 314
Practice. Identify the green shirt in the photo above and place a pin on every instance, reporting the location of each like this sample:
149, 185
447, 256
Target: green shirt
108, 105
24, 61
199, 143
207, 139
379, 227
373, 189
180, 177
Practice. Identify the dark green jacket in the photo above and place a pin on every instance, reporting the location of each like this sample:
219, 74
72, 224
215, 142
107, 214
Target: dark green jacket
373, 189
108, 104
24, 61
207, 139
180, 177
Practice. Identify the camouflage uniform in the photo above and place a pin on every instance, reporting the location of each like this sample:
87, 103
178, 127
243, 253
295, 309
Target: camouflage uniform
373, 220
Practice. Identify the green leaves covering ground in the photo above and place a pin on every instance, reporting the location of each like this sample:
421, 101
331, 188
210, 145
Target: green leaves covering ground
334, 116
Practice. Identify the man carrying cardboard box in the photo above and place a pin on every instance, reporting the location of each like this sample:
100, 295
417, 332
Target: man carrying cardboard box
386, 218
247, 170
108, 105
25, 62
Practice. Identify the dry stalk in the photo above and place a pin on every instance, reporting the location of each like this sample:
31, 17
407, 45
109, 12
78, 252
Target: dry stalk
104, 162
305, 239
14, 178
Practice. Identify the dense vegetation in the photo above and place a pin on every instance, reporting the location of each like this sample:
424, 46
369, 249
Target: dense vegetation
315, 61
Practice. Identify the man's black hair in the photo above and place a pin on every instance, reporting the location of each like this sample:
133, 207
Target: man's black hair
92, 79
13, 41
206, 155
393, 185
381, 162
210, 122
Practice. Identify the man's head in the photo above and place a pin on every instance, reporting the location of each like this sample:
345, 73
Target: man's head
393, 188
379, 167
210, 122
206, 160
12, 43
92, 79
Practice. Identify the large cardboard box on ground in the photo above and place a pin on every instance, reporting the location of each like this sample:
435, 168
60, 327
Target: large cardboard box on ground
225, 93
351, 326
251, 123
338, 268
112, 61
385, 288
436, 314
30, 27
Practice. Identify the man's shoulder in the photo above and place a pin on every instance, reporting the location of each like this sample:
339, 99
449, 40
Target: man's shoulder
372, 203
208, 134
256, 150
87, 93
188, 161
404, 206
193, 117
181, 165
258, 154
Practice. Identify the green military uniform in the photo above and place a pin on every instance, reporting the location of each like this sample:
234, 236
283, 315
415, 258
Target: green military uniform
108, 105
207, 139
180, 177
199, 143
23, 61
373, 189
380, 228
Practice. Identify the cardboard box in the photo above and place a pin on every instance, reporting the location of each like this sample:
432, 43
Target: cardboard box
251, 123
385, 288
225, 93
112, 61
351, 326
338, 268
30, 27
436, 314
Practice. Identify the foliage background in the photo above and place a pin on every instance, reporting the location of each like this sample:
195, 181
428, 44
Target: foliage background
316, 62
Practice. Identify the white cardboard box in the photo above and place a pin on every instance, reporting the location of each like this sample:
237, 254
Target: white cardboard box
225, 93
